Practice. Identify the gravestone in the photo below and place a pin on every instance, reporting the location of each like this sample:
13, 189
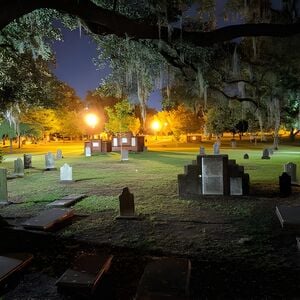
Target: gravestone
85, 274
59, 154
165, 278
88, 151
126, 201
49, 219
49, 162
189, 184
27, 161
67, 201
291, 169
124, 154
233, 143
289, 216
216, 148
13, 263
285, 185
246, 156
265, 154
3, 187
66, 173
236, 186
202, 151
18, 168
214, 175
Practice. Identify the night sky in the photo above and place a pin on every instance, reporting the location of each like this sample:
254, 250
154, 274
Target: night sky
75, 59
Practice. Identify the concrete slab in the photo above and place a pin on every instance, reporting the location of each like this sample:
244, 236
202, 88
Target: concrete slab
289, 216
12, 263
67, 201
166, 278
48, 219
86, 272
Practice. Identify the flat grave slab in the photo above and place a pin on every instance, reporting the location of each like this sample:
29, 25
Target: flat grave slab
12, 263
67, 200
86, 272
48, 219
289, 216
166, 278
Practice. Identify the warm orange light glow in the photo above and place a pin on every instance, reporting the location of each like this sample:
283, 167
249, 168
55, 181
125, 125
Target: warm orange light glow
155, 125
91, 120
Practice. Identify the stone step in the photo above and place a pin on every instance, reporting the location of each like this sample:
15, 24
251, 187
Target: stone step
289, 216
48, 219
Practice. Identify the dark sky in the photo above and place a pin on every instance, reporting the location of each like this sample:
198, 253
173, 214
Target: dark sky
74, 65
75, 54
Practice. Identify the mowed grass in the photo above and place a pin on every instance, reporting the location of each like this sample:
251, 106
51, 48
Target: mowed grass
151, 176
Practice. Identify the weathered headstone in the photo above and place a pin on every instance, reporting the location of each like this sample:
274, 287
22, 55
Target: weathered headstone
265, 154
49, 161
233, 143
3, 187
124, 154
246, 156
18, 167
27, 161
202, 150
285, 185
85, 274
126, 201
291, 169
48, 219
189, 184
59, 154
236, 186
66, 173
88, 151
216, 148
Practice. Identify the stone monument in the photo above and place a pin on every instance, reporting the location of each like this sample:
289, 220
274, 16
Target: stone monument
266, 154
216, 148
291, 169
49, 162
126, 201
3, 187
285, 185
124, 154
18, 168
87, 151
27, 161
66, 173
59, 154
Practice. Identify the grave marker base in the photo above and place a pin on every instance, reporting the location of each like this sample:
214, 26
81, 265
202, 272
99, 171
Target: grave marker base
289, 216
67, 200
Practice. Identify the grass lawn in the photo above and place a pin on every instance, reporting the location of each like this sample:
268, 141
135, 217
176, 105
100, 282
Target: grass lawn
239, 229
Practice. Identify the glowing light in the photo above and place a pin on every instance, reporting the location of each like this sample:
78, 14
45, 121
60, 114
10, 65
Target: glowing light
155, 125
91, 120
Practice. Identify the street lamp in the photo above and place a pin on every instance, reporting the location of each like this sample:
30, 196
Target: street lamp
156, 127
91, 120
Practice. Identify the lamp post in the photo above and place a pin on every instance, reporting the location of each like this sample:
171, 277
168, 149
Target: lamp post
91, 120
156, 127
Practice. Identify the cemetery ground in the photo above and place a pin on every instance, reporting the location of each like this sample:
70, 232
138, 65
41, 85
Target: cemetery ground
236, 245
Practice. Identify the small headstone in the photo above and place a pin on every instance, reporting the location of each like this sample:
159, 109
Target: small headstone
66, 173
126, 201
265, 154
59, 154
216, 148
87, 151
49, 161
246, 156
124, 154
27, 161
291, 169
166, 278
236, 186
3, 187
48, 219
233, 143
285, 185
202, 151
18, 167
86, 273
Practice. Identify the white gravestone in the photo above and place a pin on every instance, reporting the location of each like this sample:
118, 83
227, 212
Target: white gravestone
124, 154
66, 173
49, 161
88, 151
212, 176
236, 186
3, 187
291, 169
59, 154
216, 148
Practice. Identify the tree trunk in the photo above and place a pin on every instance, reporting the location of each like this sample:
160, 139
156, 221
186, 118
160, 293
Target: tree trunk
10, 145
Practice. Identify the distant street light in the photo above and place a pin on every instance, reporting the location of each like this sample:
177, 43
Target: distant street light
156, 127
91, 120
